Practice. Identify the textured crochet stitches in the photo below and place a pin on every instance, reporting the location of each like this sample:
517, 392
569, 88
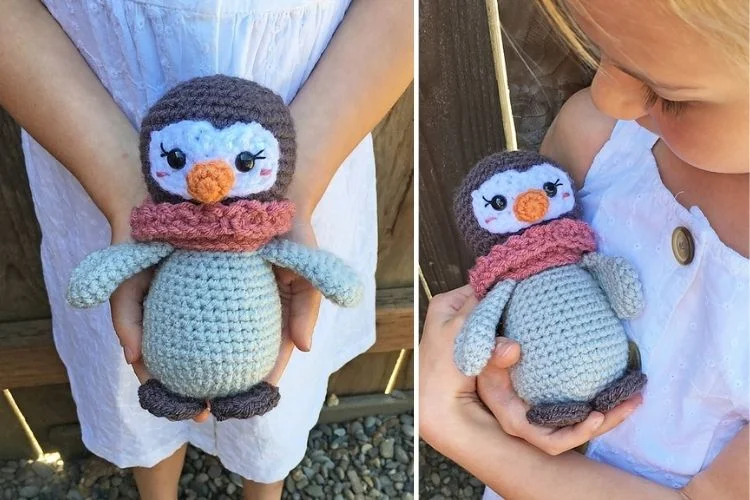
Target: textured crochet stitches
545, 287
212, 315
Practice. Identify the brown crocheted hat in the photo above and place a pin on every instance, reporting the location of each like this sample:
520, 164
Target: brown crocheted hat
222, 101
478, 239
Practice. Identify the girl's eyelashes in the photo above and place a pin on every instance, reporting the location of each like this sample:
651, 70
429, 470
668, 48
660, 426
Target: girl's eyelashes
673, 108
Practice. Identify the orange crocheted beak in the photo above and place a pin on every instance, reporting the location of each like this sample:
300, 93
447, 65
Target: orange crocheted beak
531, 206
210, 181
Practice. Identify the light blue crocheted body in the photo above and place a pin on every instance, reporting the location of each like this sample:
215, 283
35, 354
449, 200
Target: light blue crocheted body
573, 344
212, 322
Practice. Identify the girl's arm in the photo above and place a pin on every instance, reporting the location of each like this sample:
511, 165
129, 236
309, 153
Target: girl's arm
365, 68
515, 468
363, 71
49, 89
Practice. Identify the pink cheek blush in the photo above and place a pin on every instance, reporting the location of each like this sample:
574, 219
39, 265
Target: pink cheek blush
566, 195
161, 174
265, 172
490, 219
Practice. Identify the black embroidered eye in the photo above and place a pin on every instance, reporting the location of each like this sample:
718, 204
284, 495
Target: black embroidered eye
551, 188
175, 157
245, 161
498, 202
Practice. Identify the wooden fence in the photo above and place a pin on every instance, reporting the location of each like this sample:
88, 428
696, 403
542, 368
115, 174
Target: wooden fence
32, 370
460, 119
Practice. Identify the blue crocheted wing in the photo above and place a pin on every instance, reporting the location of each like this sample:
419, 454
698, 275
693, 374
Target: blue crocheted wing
337, 281
100, 273
476, 340
619, 281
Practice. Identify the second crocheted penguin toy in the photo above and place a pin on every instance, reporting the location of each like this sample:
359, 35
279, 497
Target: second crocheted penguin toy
218, 154
541, 283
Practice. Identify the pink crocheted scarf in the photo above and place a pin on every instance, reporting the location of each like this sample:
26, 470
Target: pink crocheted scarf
558, 243
244, 225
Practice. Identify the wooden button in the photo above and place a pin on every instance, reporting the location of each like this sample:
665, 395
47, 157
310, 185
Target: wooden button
634, 356
683, 246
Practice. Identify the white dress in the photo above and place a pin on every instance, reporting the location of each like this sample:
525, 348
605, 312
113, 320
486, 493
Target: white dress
139, 49
694, 335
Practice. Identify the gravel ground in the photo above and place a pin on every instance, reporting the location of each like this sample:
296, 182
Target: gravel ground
440, 478
371, 457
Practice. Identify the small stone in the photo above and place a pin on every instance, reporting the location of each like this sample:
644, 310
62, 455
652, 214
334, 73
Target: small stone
401, 455
370, 422
28, 491
297, 474
315, 491
341, 432
386, 448
214, 471
231, 488
302, 483
435, 478
202, 477
398, 394
42, 470
236, 479
332, 400
408, 430
355, 482
365, 448
74, 495
185, 479
192, 453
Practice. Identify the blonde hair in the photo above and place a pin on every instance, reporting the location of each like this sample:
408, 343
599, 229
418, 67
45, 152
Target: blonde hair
725, 22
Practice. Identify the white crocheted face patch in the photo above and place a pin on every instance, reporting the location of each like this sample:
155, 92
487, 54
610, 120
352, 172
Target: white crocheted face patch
493, 200
199, 141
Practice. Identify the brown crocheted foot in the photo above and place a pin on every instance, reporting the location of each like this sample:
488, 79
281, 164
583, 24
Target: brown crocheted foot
558, 414
620, 390
261, 398
160, 401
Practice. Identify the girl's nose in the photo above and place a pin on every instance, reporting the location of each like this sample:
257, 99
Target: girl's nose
617, 94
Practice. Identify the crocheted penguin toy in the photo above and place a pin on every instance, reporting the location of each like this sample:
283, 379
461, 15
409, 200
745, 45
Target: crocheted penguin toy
541, 283
218, 154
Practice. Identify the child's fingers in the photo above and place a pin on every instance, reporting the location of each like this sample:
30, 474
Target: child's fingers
619, 413
285, 353
567, 438
126, 305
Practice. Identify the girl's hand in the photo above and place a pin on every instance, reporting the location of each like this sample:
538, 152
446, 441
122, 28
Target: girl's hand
448, 398
496, 391
300, 302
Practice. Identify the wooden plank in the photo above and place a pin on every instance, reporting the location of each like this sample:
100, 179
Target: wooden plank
47, 409
364, 374
394, 320
459, 124
22, 292
13, 440
28, 356
542, 71
352, 407
393, 140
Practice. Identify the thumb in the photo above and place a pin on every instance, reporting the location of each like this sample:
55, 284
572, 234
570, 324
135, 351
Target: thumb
506, 353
